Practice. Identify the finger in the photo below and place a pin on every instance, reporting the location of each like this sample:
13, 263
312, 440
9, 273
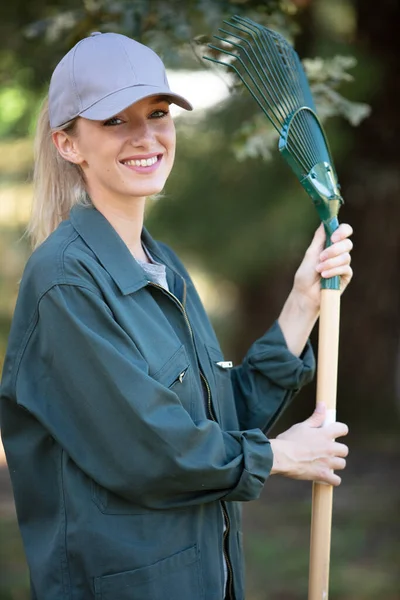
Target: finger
335, 480
318, 241
336, 249
328, 476
337, 463
337, 429
343, 271
343, 231
346, 278
332, 263
340, 450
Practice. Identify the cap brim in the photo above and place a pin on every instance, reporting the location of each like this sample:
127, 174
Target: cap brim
120, 100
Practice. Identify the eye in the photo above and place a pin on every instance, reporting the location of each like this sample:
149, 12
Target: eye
159, 114
112, 121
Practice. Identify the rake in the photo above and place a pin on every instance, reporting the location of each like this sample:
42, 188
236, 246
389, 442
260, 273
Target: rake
272, 72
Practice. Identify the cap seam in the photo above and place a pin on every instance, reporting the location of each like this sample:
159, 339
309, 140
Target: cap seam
119, 42
73, 79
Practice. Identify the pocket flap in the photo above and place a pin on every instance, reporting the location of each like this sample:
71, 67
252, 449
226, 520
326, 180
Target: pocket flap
175, 367
217, 358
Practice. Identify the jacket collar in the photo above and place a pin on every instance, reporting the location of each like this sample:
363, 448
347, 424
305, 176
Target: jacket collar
110, 249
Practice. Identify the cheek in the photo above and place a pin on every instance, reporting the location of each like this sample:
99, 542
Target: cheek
170, 142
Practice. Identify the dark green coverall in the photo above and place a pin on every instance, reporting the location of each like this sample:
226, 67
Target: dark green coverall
127, 476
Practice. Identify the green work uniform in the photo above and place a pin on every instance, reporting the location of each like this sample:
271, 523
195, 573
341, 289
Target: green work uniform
119, 466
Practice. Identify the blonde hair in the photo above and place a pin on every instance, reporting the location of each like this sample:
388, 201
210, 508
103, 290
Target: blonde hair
57, 183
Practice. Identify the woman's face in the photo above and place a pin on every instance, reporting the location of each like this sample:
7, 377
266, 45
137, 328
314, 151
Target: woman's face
129, 155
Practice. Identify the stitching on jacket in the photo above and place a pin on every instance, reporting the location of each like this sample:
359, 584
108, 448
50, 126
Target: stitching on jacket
34, 322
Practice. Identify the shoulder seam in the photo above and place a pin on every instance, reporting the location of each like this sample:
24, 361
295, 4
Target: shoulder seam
34, 322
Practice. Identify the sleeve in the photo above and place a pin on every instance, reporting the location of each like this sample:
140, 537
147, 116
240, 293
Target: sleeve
269, 378
84, 379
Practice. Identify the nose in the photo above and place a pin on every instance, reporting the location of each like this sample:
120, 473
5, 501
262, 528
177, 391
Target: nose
141, 133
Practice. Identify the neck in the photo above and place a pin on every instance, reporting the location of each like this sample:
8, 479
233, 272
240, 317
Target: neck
126, 217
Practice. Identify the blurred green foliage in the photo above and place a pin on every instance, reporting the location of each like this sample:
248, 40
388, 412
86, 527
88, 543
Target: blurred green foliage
245, 224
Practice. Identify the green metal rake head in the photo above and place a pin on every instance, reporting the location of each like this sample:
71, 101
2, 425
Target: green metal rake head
272, 72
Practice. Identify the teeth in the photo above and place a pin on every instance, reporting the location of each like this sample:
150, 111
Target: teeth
144, 162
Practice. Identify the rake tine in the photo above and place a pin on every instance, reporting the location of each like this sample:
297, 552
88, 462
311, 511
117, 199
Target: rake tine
251, 33
299, 124
232, 66
260, 31
298, 153
304, 85
274, 51
290, 106
271, 47
272, 72
253, 29
272, 99
272, 117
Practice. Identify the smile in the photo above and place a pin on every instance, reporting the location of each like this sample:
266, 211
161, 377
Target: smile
143, 165
143, 162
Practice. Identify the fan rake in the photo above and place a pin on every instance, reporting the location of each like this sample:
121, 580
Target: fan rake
271, 71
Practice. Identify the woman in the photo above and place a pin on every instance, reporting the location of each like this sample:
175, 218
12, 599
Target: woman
130, 441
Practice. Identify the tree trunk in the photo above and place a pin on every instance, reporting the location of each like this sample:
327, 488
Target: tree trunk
371, 187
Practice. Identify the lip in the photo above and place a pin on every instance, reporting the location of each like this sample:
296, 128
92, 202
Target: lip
143, 170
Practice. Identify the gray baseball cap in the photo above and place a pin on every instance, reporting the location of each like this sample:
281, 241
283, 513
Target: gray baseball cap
102, 75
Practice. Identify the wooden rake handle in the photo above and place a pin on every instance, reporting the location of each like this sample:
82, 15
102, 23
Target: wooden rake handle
321, 519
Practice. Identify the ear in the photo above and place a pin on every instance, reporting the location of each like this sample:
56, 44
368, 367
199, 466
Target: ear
67, 146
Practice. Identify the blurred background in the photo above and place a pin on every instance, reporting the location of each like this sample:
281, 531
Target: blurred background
241, 223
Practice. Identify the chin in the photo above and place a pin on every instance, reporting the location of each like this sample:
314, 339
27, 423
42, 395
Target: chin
146, 190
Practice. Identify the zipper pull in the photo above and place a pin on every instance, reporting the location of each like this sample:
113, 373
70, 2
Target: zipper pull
225, 364
181, 376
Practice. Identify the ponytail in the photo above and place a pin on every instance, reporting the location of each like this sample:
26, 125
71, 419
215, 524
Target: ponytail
57, 183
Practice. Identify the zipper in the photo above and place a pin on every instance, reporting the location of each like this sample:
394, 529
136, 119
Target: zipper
182, 376
229, 581
176, 300
213, 418
209, 405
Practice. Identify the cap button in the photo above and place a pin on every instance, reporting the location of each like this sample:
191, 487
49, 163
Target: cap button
95, 33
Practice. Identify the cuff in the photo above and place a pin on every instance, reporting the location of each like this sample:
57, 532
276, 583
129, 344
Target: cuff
257, 464
270, 356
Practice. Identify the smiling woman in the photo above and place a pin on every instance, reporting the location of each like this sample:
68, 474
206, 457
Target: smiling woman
130, 439
123, 159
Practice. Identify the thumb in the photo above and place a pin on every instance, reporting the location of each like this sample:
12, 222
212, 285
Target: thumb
318, 417
318, 241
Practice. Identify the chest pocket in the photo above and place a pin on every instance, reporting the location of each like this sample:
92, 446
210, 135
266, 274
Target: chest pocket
176, 374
